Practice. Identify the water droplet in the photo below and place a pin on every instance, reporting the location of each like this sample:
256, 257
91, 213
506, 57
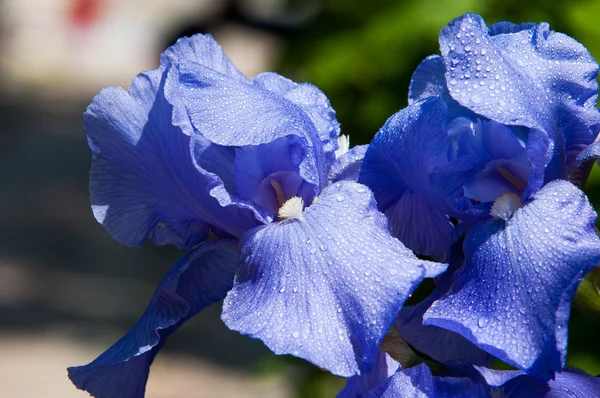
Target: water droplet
476, 98
295, 335
482, 322
340, 198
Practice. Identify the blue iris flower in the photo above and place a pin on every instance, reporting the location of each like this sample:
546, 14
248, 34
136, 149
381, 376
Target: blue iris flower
247, 174
388, 379
482, 158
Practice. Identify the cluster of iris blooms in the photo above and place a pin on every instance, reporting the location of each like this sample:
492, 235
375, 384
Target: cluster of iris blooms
315, 247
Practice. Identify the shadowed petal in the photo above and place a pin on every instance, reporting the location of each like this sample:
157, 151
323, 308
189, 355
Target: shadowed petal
570, 382
418, 382
512, 296
384, 367
437, 343
458, 379
199, 279
420, 226
429, 80
539, 151
327, 286
409, 150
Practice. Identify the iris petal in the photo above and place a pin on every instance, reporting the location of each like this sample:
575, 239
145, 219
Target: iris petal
347, 166
204, 50
327, 286
496, 299
144, 181
568, 383
429, 80
199, 279
460, 379
437, 343
524, 75
384, 367
230, 112
418, 382
312, 101
420, 226
409, 156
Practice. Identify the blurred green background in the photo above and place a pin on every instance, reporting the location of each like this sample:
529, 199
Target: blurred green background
360, 53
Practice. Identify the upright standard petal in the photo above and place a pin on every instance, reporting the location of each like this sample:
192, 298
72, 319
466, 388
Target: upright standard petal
513, 295
429, 80
524, 75
325, 286
199, 279
144, 181
398, 166
230, 112
312, 101
204, 50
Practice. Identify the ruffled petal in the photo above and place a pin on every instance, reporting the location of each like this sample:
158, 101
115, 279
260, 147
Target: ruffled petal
506, 27
144, 181
312, 101
429, 80
327, 286
524, 75
229, 112
204, 50
347, 166
199, 279
512, 296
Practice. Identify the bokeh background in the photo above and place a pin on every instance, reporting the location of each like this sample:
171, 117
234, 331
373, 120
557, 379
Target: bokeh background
67, 290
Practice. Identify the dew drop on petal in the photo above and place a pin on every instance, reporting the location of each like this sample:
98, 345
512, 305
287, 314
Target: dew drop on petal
482, 322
